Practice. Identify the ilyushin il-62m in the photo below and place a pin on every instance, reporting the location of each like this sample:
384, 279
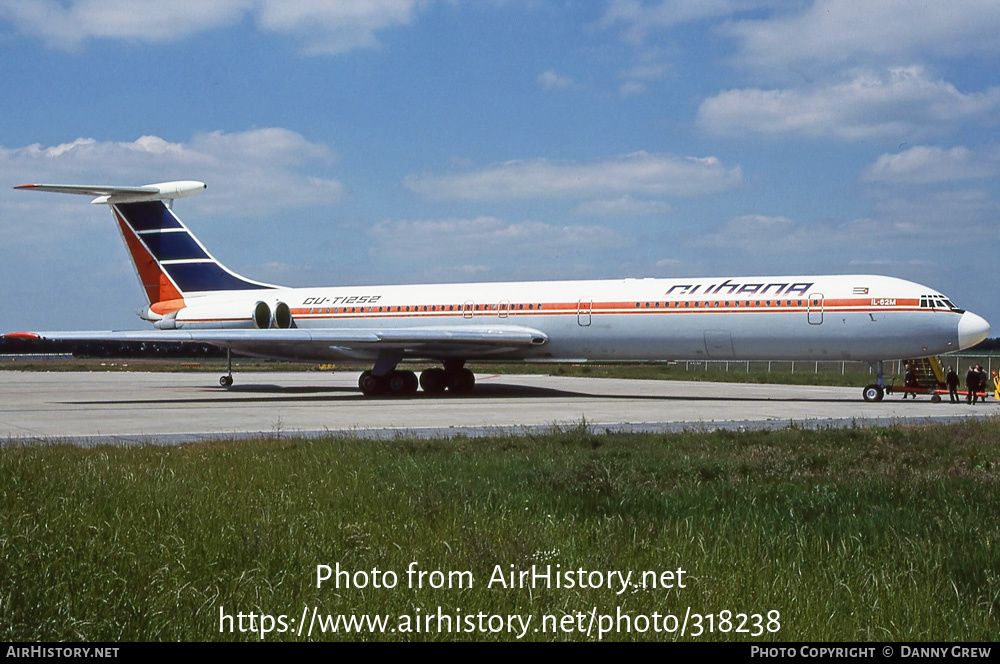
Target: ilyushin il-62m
193, 297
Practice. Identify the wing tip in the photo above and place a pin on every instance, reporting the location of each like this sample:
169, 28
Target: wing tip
21, 335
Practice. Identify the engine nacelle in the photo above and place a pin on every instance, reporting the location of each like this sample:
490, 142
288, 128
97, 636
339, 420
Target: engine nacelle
229, 315
283, 316
262, 318
280, 316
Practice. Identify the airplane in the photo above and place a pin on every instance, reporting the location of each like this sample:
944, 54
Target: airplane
195, 298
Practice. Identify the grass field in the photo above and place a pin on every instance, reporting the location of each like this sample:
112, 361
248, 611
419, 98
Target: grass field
779, 373
849, 535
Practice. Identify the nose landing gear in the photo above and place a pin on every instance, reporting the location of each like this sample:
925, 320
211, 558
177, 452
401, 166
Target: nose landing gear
873, 393
876, 392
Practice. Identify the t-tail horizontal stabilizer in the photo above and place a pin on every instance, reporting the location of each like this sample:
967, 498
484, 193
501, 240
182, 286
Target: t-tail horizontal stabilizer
170, 261
163, 191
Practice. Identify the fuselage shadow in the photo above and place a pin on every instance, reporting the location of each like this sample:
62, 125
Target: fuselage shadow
272, 393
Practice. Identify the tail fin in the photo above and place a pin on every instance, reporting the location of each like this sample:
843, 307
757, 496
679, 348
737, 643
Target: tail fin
170, 261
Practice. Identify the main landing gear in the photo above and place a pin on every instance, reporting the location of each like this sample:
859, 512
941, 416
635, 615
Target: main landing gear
454, 378
876, 392
227, 380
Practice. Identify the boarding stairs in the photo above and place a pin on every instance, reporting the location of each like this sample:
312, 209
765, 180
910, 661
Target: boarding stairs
930, 373
930, 378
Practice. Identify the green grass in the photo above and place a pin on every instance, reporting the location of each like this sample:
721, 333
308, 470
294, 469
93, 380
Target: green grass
858, 534
212, 365
780, 373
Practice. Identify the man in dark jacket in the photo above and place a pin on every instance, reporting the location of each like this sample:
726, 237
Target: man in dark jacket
971, 385
910, 382
952, 381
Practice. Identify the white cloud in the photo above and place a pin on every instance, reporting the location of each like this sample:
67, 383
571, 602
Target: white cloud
494, 248
929, 224
650, 66
320, 26
951, 217
898, 102
822, 31
625, 206
638, 173
249, 173
755, 231
549, 80
68, 24
927, 164
638, 19
846, 31
632, 88
487, 236
335, 26
275, 145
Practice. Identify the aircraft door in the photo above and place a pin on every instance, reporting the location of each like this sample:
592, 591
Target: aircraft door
814, 309
584, 312
719, 344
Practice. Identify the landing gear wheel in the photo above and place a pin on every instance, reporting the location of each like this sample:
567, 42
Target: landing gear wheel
873, 393
402, 383
935, 398
226, 381
433, 381
371, 385
461, 381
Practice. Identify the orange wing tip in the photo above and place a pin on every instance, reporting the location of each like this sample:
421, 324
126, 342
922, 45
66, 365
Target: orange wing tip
21, 335
26, 186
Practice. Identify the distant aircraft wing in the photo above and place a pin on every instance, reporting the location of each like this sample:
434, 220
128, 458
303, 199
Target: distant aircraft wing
406, 339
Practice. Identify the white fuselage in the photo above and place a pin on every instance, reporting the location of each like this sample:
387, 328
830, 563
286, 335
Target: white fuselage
855, 317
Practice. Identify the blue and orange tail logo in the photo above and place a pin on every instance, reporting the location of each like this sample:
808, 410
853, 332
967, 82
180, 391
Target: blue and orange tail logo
169, 259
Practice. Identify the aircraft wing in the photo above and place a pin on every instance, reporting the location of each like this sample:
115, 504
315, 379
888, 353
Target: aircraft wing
491, 337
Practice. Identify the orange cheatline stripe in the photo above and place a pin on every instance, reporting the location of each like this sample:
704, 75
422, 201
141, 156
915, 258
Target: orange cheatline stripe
853, 305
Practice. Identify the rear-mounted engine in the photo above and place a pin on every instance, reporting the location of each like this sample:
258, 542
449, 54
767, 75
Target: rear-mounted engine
264, 317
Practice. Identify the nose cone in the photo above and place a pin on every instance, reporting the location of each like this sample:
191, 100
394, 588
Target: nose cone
971, 330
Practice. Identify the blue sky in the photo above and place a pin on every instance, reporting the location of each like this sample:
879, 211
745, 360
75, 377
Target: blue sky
396, 141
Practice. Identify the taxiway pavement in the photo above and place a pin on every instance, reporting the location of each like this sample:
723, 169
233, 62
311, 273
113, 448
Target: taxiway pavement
165, 408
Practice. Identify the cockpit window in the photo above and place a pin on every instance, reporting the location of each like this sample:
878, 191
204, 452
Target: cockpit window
938, 302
